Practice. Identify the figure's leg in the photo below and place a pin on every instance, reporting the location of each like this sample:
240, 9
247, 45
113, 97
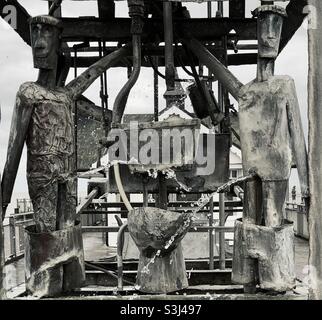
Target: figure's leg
74, 270
274, 195
245, 269
43, 194
67, 202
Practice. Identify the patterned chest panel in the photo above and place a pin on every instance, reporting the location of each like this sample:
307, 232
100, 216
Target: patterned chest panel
51, 129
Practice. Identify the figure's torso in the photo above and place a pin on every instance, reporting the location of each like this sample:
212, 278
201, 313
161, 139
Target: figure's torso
51, 132
265, 139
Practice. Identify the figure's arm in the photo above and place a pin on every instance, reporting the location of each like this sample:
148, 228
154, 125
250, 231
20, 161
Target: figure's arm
18, 132
77, 86
224, 76
298, 139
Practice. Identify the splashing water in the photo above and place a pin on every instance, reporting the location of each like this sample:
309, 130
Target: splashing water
170, 174
145, 269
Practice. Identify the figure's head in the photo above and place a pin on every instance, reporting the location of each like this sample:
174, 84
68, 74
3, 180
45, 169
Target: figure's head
45, 41
269, 29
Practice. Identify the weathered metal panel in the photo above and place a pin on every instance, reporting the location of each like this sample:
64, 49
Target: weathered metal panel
133, 183
89, 132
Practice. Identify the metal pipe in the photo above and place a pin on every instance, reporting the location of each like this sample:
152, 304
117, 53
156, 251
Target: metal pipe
120, 187
2, 254
156, 90
211, 234
120, 245
122, 97
136, 12
225, 77
168, 39
222, 251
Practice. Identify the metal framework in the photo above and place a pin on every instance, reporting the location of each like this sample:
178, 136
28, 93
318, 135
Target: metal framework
220, 35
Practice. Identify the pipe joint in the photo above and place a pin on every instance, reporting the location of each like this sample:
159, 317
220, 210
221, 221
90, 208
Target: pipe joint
136, 12
137, 25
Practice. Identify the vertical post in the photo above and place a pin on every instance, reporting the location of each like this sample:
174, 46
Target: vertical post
209, 16
222, 251
221, 95
163, 192
106, 9
211, 234
2, 257
156, 90
237, 8
315, 151
145, 195
12, 229
168, 39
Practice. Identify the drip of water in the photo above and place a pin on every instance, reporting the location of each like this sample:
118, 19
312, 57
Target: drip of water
170, 174
105, 195
145, 269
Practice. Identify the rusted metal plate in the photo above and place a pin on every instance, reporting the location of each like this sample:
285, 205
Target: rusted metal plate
89, 132
196, 179
54, 262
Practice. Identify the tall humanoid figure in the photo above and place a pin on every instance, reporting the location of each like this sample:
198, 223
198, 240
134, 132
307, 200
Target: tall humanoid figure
271, 137
43, 118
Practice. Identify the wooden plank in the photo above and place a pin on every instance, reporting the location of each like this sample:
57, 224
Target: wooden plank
94, 29
315, 151
2, 253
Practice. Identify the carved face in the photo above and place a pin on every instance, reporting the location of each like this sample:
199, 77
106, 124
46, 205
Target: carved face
269, 34
45, 44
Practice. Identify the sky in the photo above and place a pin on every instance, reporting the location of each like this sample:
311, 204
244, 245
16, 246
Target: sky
16, 67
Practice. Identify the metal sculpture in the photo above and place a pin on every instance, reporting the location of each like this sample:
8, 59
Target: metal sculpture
43, 117
270, 134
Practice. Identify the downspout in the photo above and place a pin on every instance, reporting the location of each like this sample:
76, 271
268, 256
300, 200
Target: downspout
136, 12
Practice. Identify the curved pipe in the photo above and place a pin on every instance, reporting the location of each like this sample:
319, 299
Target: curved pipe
120, 187
120, 245
228, 80
121, 99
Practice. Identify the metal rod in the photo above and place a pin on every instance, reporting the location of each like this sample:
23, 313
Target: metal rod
145, 195
120, 245
122, 97
87, 201
209, 16
211, 234
219, 229
228, 80
168, 39
156, 90
222, 250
